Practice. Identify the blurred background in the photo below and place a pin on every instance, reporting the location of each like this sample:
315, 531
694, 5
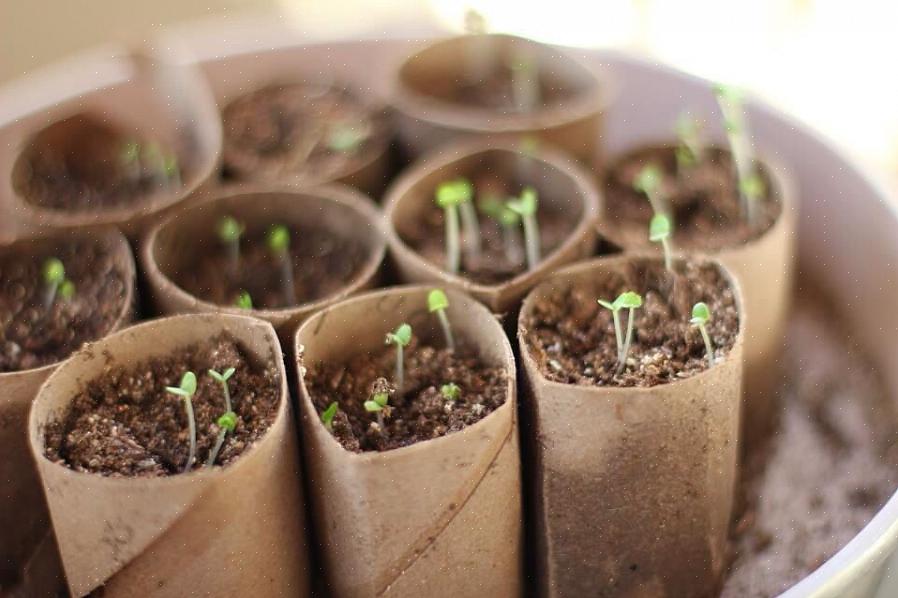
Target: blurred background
821, 60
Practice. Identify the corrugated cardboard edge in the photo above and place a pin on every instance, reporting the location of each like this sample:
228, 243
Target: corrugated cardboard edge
633, 487
502, 297
438, 516
23, 512
232, 531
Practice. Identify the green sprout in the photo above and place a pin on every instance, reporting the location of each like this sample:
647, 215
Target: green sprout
279, 243
226, 423
229, 233
751, 186
509, 222
244, 300
525, 207
222, 378
344, 138
438, 303
701, 315
454, 197
690, 150
450, 391
327, 416
55, 282
186, 390
130, 152
525, 82
378, 402
648, 182
400, 337
630, 301
160, 163
659, 232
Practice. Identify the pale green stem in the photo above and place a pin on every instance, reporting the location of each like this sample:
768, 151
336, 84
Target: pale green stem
510, 242
472, 231
622, 363
618, 334
453, 253
380, 422
287, 278
50, 289
227, 395
234, 254
400, 377
668, 259
531, 238
191, 426
709, 348
215, 450
447, 329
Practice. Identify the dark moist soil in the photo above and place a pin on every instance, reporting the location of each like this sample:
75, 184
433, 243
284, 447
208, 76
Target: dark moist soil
494, 265
571, 337
283, 130
323, 264
420, 412
80, 164
32, 336
704, 200
124, 423
798, 511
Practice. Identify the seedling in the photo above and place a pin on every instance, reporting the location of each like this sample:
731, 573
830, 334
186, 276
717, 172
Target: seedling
525, 207
327, 416
509, 222
630, 301
659, 232
437, 303
244, 301
525, 82
186, 390
229, 233
279, 244
223, 378
345, 138
701, 315
378, 402
648, 182
55, 282
751, 186
454, 197
226, 423
160, 163
691, 150
130, 152
450, 391
400, 337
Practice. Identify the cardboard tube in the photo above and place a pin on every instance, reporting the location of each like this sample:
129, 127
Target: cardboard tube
633, 487
232, 531
765, 267
559, 180
426, 120
172, 244
437, 518
160, 99
369, 174
23, 512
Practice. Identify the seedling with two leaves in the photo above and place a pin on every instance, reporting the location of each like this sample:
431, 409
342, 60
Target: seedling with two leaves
185, 390
630, 301
450, 391
525, 206
278, 241
750, 183
659, 232
509, 222
378, 402
701, 315
229, 232
649, 181
457, 197
55, 282
438, 303
328, 415
401, 337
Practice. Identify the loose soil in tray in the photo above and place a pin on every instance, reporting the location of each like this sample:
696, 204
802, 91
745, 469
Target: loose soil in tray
829, 468
85, 164
572, 337
323, 263
300, 130
31, 335
124, 423
418, 413
704, 200
495, 264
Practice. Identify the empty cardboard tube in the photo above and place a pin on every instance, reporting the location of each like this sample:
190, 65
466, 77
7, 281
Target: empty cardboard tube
765, 267
437, 518
633, 487
561, 183
427, 119
23, 513
162, 99
232, 531
172, 244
